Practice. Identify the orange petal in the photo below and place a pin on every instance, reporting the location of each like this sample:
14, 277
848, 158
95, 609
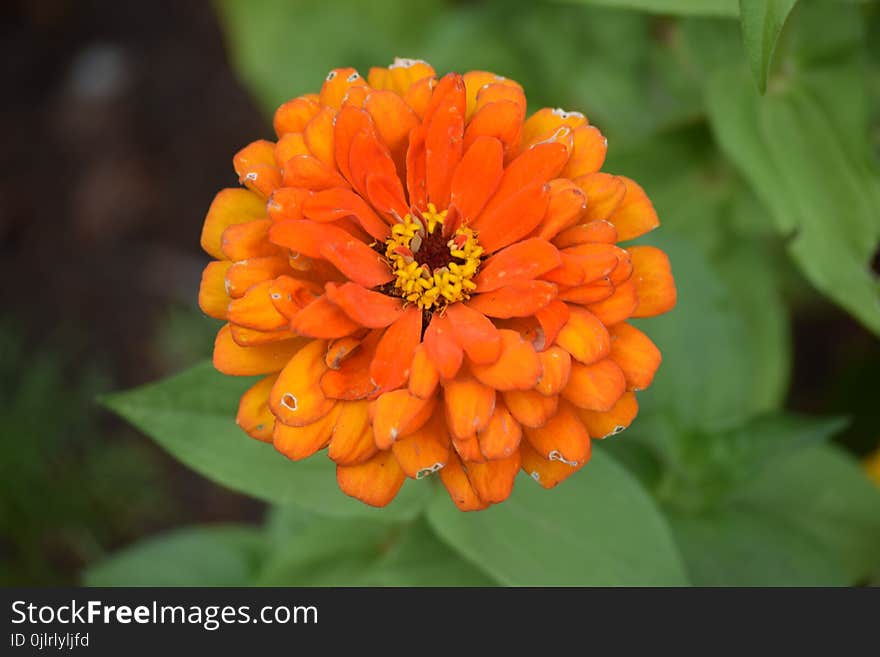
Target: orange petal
493, 480
370, 158
391, 364
475, 333
474, 81
416, 186
351, 378
337, 84
555, 370
255, 310
517, 300
293, 115
584, 336
501, 89
652, 277
323, 319
636, 355
594, 260
352, 441
246, 337
290, 295
248, 240
546, 472
242, 276
296, 398
423, 376
444, 129
562, 438
469, 405
543, 123
311, 173
213, 298
255, 166
618, 307
396, 414
522, 261
566, 207
367, 308
356, 260
588, 154
594, 231
535, 166
516, 217
386, 194
459, 486
501, 436
595, 387
552, 318
604, 194
229, 358
254, 416
468, 449
587, 294
609, 423
303, 236
623, 271
287, 203
501, 120
350, 121
476, 177
287, 148
517, 368
530, 408
318, 136
230, 206
635, 215
401, 75
298, 443
418, 96
441, 347
337, 203
393, 119
425, 450
374, 482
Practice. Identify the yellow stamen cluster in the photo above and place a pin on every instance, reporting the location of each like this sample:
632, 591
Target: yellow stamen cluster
416, 281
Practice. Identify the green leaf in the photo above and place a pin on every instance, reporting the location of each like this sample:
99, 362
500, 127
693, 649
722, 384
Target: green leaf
736, 547
704, 338
823, 492
823, 197
598, 528
684, 7
762, 21
419, 558
222, 555
192, 415
327, 552
706, 469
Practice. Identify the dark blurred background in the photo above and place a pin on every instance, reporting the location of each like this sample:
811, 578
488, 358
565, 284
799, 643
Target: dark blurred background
119, 122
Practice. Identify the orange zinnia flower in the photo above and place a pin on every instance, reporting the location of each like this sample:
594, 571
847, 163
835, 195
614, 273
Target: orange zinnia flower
430, 282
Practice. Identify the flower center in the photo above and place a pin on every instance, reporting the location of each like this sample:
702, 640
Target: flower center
432, 270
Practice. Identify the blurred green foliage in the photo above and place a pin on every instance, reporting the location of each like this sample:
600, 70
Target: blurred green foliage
768, 202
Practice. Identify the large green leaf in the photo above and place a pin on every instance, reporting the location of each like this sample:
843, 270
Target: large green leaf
192, 416
223, 555
419, 558
598, 528
683, 7
822, 196
762, 21
713, 373
743, 547
823, 492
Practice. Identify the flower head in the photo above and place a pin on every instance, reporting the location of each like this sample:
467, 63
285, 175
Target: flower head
430, 282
